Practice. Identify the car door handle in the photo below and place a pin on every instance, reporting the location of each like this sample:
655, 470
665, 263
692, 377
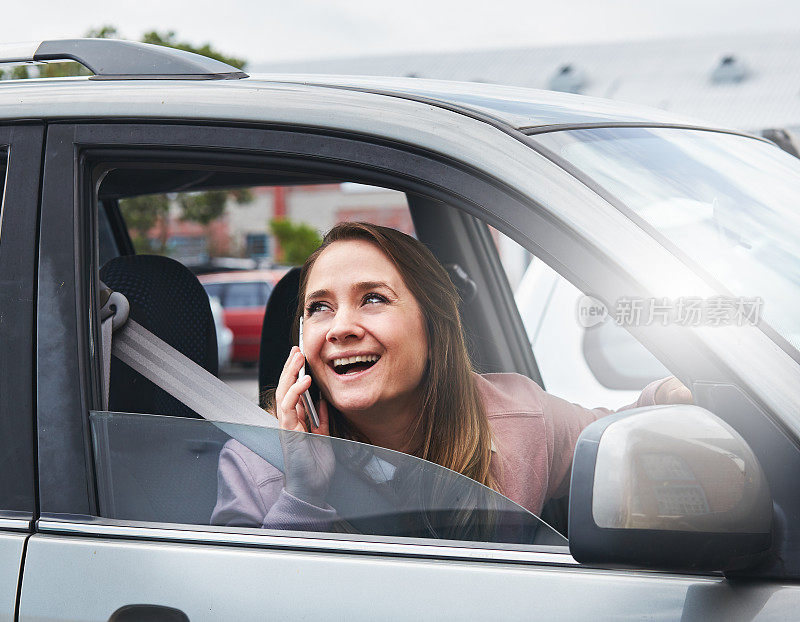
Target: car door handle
148, 613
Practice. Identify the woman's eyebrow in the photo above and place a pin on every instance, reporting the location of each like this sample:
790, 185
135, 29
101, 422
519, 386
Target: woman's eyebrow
364, 285
320, 293
360, 286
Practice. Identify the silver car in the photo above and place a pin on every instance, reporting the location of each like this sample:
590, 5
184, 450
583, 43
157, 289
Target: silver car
674, 512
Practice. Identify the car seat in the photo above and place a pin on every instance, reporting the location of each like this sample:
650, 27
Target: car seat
276, 332
167, 299
158, 469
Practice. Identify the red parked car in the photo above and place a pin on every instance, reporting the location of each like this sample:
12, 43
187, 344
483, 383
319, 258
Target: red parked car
243, 295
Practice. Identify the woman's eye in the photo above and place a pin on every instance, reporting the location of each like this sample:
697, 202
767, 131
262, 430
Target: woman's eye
314, 307
374, 298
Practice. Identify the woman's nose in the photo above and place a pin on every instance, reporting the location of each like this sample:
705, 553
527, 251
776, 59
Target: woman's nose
345, 325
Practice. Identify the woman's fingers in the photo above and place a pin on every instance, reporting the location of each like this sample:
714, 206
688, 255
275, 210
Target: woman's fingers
324, 427
287, 408
289, 373
300, 413
285, 398
291, 413
673, 391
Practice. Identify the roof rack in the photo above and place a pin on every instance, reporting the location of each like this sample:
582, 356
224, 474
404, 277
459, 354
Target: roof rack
114, 59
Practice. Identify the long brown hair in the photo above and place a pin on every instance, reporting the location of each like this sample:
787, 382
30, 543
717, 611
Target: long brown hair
455, 429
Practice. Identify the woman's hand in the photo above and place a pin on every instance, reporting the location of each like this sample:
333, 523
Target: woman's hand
308, 458
673, 391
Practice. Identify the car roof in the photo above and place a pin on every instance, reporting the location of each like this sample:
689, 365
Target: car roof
243, 276
517, 106
514, 107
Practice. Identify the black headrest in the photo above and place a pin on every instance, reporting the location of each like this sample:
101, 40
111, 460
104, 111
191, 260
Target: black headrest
276, 337
168, 300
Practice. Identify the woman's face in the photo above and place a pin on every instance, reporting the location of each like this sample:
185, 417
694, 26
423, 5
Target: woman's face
363, 331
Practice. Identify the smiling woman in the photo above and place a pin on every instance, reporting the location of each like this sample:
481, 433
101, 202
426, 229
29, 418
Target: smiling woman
366, 341
384, 343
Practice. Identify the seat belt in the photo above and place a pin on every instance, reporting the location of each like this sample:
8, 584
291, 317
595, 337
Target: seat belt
181, 377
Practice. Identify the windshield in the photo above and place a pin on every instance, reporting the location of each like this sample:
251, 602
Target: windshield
728, 202
171, 469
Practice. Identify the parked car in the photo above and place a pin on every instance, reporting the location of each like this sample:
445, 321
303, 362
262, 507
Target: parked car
678, 512
224, 334
244, 296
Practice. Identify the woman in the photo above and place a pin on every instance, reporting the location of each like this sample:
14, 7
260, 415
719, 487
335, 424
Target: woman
384, 343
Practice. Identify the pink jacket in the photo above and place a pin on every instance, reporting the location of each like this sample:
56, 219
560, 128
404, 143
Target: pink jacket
534, 435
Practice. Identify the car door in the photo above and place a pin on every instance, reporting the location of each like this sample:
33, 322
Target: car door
99, 565
20, 152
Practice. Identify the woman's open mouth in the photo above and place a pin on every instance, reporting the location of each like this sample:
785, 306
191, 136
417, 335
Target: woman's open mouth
354, 364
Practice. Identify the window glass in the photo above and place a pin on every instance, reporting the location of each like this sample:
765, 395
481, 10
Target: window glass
164, 469
617, 360
727, 202
108, 245
246, 294
17, 246
16, 487
597, 364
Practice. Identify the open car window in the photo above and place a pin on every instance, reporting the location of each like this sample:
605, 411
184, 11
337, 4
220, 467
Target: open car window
161, 464
178, 470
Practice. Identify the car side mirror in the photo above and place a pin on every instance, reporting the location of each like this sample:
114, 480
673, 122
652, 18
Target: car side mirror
667, 487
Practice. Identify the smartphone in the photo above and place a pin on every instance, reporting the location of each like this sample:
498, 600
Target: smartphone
307, 401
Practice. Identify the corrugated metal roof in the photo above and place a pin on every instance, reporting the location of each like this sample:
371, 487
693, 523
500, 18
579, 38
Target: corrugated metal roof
674, 75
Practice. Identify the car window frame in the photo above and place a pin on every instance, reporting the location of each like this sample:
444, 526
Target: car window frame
73, 144
66, 488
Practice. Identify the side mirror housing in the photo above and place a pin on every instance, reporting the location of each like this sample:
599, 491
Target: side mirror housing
667, 487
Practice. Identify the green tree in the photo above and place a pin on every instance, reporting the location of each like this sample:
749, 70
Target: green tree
168, 39
242, 195
141, 214
297, 240
203, 207
207, 206
106, 31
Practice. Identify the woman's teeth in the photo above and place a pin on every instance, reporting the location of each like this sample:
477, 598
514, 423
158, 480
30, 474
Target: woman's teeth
361, 358
354, 363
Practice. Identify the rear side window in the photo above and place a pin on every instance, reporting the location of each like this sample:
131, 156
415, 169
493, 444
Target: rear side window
16, 486
245, 295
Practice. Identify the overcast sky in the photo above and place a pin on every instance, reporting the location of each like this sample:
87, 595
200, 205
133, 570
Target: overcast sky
268, 31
